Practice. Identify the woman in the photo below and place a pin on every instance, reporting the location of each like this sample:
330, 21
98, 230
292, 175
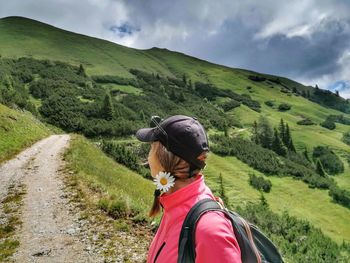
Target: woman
179, 148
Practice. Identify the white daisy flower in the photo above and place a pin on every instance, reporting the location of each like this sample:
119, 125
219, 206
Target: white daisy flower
164, 181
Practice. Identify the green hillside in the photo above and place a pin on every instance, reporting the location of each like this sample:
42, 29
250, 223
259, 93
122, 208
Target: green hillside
120, 78
18, 130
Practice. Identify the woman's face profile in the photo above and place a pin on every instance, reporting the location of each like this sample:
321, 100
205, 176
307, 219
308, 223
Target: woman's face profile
153, 162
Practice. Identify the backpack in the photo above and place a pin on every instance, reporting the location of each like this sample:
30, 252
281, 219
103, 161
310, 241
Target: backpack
254, 245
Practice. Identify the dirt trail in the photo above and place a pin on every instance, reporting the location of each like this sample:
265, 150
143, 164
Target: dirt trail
50, 232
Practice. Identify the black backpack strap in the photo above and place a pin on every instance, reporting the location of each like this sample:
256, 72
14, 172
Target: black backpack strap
187, 253
254, 247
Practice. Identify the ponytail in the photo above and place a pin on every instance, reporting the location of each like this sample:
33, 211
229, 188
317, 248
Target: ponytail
156, 204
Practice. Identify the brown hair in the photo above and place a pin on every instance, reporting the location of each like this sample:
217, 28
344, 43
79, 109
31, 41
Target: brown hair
173, 164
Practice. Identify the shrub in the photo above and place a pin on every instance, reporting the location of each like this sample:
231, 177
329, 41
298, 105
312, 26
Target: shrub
340, 196
346, 137
270, 103
328, 123
329, 160
284, 107
114, 208
259, 183
103, 204
305, 121
117, 209
256, 78
231, 104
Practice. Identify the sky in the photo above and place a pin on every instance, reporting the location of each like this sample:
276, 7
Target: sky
305, 40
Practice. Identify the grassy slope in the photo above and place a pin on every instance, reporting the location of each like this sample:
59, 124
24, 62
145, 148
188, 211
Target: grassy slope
23, 37
18, 130
94, 167
286, 194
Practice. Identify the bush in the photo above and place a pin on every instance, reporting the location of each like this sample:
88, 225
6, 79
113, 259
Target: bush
259, 183
305, 121
114, 208
329, 160
270, 103
328, 123
340, 196
256, 78
103, 204
346, 137
117, 209
231, 104
284, 107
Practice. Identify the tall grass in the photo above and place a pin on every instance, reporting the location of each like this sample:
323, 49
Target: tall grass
128, 190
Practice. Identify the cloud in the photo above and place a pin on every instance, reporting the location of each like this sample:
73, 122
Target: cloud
306, 40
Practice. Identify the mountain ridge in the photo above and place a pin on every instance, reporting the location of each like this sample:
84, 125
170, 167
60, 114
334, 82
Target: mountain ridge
21, 19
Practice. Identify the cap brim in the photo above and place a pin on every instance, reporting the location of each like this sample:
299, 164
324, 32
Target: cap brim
146, 135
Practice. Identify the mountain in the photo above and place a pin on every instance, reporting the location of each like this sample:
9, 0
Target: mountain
91, 67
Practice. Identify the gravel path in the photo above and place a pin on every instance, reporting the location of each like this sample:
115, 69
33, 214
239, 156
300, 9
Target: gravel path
50, 231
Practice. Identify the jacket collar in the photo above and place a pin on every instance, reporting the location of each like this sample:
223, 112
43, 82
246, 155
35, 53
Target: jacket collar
186, 195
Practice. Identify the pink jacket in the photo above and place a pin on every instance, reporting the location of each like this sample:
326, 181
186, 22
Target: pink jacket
214, 239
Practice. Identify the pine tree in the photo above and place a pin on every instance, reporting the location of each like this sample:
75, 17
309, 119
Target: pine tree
190, 85
286, 136
308, 94
81, 70
181, 97
281, 129
184, 80
291, 145
306, 154
265, 132
319, 168
107, 109
142, 115
226, 129
289, 141
277, 145
172, 95
255, 135
263, 200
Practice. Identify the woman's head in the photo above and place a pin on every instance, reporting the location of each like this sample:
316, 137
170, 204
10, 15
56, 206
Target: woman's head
181, 135
179, 145
160, 159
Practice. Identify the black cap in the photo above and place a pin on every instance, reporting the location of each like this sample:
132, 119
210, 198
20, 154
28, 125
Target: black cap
182, 135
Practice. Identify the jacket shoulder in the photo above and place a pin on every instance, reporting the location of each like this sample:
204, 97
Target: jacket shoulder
214, 223
215, 240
